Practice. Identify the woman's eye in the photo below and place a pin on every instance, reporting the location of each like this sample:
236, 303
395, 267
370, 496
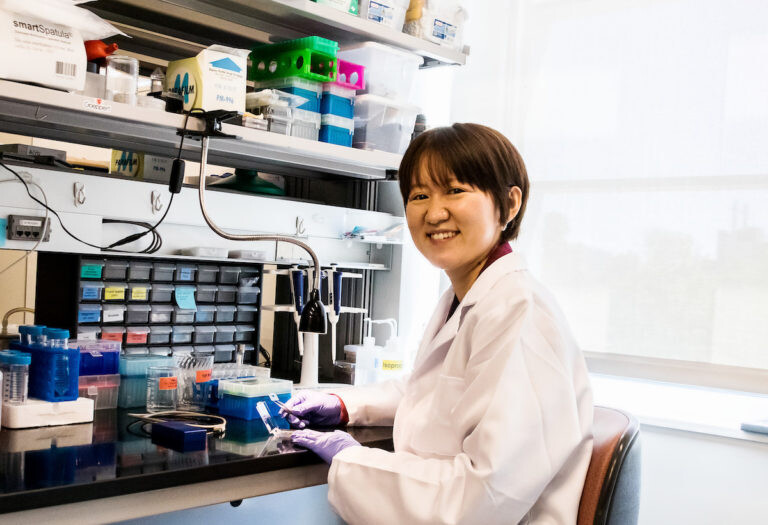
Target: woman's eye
455, 191
418, 197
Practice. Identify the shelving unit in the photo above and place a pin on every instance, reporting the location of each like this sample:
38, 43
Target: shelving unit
243, 22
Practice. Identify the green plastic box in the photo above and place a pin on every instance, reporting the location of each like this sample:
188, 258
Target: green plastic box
312, 58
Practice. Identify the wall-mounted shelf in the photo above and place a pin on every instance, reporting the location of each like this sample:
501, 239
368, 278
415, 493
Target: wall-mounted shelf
243, 22
47, 113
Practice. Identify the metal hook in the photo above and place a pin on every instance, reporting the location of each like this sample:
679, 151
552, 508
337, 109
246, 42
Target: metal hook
157, 204
78, 191
300, 229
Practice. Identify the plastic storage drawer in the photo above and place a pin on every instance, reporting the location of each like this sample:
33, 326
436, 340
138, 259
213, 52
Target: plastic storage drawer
206, 313
339, 106
227, 294
246, 314
91, 290
181, 334
206, 273
103, 389
163, 272
244, 333
337, 130
114, 292
161, 313
115, 269
160, 335
225, 334
113, 313
89, 313
229, 274
91, 269
206, 293
112, 333
248, 294
183, 316
185, 273
224, 353
137, 365
382, 124
136, 335
88, 333
160, 350
136, 350
204, 334
139, 270
138, 292
137, 313
225, 313
161, 293
389, 72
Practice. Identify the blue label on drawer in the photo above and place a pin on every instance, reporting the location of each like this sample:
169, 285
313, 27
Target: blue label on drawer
91, 292
185, 274
88, 317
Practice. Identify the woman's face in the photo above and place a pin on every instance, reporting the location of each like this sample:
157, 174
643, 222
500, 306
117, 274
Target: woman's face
454, 226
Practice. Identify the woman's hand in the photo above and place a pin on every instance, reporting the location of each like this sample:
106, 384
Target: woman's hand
324, 444
312, 408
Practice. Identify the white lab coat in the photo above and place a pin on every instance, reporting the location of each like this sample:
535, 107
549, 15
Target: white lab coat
494, 425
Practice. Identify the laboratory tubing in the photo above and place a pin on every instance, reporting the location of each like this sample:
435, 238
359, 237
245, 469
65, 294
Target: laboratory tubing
162, 388
15, 369
122, 79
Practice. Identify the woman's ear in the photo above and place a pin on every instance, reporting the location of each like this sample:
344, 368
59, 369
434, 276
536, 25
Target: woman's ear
515, 201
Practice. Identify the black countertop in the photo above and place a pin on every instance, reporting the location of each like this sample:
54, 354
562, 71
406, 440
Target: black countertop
67, 464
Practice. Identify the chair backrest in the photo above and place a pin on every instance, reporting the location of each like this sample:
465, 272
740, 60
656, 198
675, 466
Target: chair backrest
611, 494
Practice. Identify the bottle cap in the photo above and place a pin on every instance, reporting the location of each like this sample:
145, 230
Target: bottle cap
33, 330
14, 357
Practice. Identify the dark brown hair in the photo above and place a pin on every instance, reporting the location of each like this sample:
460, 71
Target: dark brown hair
475, 155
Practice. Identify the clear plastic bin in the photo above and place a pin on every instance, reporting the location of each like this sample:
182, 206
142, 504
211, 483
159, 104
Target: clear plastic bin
139, 270
382, 124
161, 293
389, 72
160, 335
207, 274
163, 272
137, 365
91, 269
205, 349
113, 313
137, 313
88, 333
89, 313
390, 13
305, 124
204, 334
139, 292
136, 335
136, 350
180, 315
206, 313
244, 333
224, 353
103, 389
229, 274
91, 290
112, 333
227, 294
246, 314
225, 334
194, 378
185, 273
250, 278
114, 291
248, 295
181, 334
115, 269
225, 313
160, 350
161, 313
206, 293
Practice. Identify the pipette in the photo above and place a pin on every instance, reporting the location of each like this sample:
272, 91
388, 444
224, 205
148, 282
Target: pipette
297, 294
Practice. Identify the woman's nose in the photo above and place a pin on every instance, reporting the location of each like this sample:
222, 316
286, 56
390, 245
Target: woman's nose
436, 213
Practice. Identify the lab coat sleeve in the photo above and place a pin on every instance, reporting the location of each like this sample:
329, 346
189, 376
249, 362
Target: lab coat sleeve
375, 404
518, 416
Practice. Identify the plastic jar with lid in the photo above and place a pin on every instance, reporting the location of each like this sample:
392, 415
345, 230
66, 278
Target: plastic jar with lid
15, 368
32, 334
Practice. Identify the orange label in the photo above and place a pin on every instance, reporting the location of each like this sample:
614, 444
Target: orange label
112, 336
203, 376
133, 338
167, 383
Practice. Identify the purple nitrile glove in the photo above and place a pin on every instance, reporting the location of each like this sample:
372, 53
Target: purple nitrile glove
312, 408
324, 444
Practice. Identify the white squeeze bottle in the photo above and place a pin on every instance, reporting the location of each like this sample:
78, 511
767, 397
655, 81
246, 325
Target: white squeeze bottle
392, 363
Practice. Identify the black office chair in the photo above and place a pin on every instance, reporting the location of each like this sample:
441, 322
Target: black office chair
611, 494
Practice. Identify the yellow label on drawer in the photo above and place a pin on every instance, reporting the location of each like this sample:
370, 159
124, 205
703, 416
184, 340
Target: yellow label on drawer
138, 294
114, 293
391, 365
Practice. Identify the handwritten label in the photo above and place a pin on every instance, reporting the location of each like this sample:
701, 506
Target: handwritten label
113, 316
185, 274
90, 271
112, 336
203, 376
138, 293
91, 292
185, 297
88, 316
114, 293
135, 338
167, 383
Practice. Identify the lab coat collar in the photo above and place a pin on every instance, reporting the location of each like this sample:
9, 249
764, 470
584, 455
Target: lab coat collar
510, 263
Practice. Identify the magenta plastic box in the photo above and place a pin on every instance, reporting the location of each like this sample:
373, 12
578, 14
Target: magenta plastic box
350, 76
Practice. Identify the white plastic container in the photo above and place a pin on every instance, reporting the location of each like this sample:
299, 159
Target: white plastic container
305, 124
389, 72
390, 13
383, 124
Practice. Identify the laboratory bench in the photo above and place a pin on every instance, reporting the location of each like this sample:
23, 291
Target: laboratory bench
105, 471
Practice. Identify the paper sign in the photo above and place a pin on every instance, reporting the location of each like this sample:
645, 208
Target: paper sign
138, 294
114, 293
113, 316
203, 376
185, 297
112, 336
91, 271
135, 338
167, 383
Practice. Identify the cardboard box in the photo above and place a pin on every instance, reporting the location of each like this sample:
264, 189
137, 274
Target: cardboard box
214, 79
41, 52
